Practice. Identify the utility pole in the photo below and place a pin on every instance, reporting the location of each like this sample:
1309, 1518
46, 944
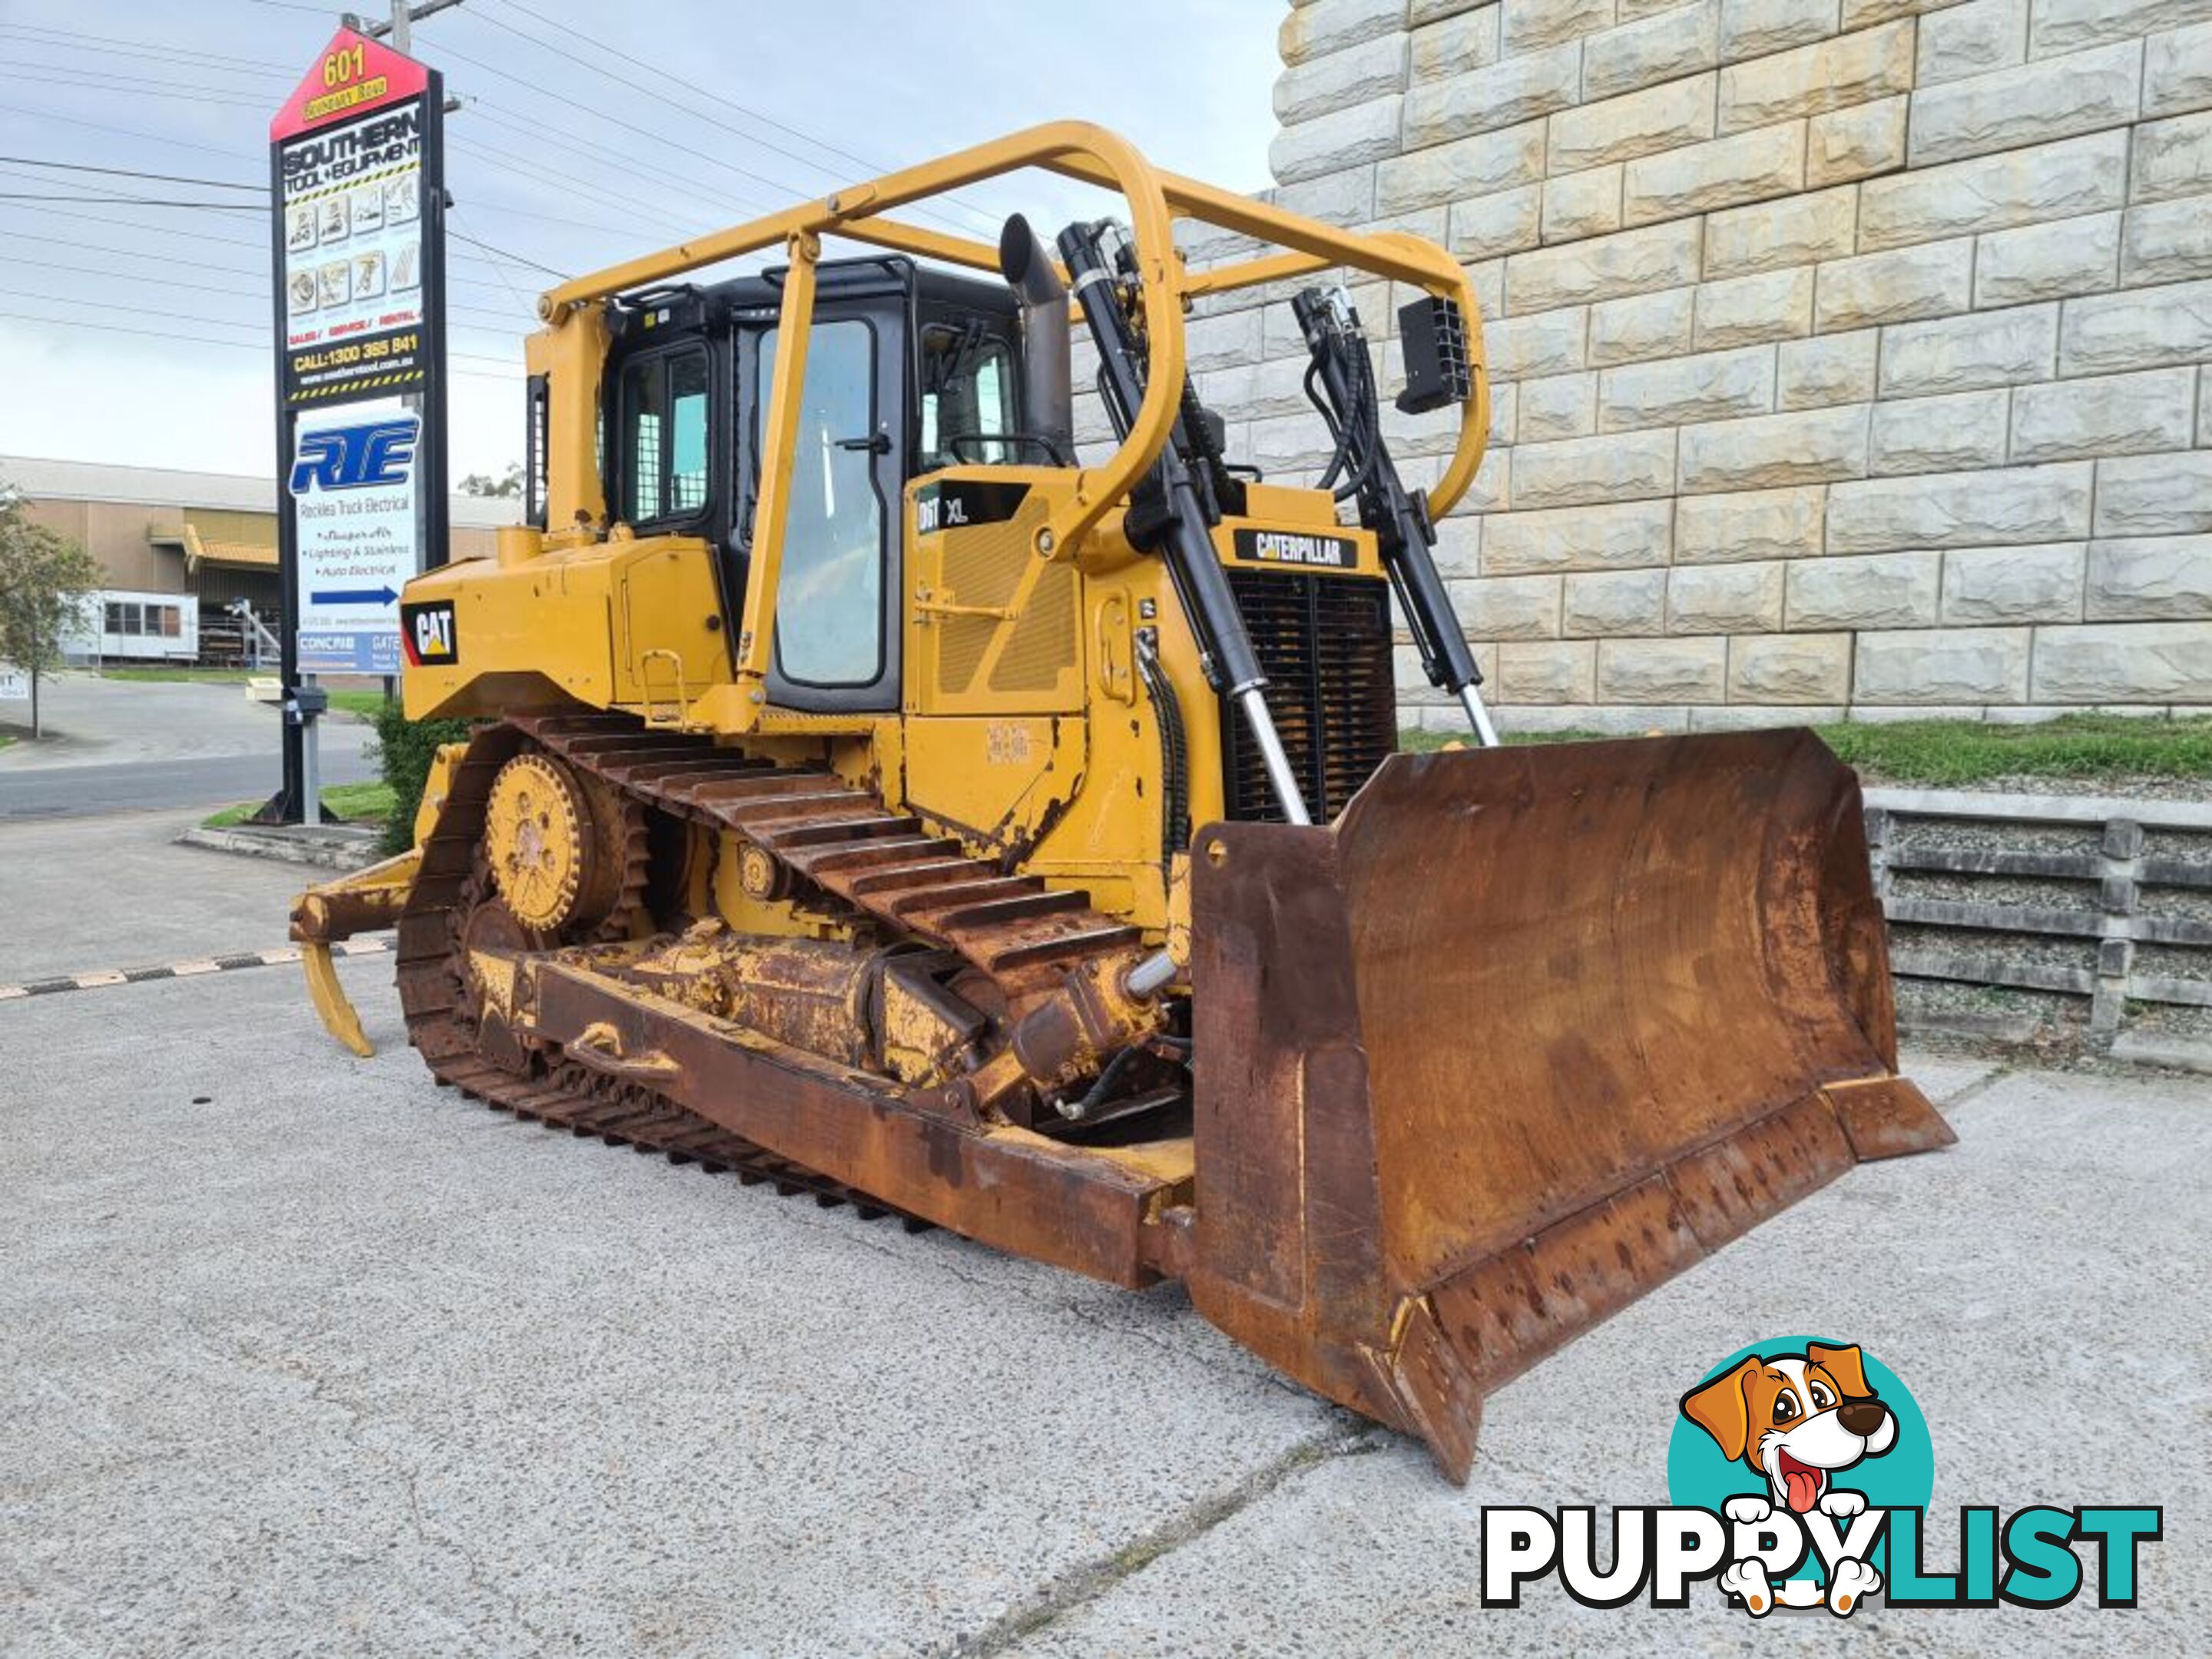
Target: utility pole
403, 18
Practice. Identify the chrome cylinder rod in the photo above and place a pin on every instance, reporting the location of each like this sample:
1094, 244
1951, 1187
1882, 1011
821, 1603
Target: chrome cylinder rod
1271, 752
1471, 700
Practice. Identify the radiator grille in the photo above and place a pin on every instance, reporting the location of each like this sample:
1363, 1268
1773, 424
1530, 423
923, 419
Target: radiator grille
1324, 642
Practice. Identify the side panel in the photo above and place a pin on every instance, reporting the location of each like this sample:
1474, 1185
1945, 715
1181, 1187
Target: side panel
669, 644
991, 628
994, 783
606, 625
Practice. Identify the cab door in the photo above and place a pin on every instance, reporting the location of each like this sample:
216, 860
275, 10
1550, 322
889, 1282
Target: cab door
837, 641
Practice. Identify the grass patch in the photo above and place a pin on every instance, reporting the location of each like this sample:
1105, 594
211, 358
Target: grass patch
6, 740
364, 701
356, 803
1422, 743
179, 675
1951, 754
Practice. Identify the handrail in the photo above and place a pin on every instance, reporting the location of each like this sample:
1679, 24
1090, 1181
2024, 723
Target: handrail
1155, 200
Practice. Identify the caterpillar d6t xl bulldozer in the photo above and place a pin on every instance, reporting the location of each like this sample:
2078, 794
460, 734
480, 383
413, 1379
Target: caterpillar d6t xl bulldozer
875, 799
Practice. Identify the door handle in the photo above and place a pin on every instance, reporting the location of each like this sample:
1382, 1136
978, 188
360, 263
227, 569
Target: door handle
877, 444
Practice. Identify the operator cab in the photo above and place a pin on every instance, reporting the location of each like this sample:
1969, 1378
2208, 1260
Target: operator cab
908, 369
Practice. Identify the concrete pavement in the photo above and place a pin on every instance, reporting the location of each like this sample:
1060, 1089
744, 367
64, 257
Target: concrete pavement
117, 892
305, 1354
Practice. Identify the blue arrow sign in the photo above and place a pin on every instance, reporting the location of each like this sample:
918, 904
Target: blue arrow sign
355, 596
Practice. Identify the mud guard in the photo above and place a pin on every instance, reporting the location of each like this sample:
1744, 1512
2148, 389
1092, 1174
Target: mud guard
1525, 1033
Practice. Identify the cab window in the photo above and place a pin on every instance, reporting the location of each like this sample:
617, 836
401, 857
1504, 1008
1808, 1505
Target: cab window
830, 600
967, 400
664, 413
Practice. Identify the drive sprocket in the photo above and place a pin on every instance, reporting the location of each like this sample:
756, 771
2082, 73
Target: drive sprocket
547, 846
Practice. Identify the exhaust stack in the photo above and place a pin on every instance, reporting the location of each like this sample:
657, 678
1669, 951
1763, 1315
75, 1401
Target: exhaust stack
1048, 390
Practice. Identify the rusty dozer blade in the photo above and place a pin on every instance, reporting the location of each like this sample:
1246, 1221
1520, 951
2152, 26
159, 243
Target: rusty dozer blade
1525, 1033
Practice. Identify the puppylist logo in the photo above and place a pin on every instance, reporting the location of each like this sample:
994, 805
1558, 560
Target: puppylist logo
1800, 1474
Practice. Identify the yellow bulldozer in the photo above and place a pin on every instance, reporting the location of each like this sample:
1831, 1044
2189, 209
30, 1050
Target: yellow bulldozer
877, 797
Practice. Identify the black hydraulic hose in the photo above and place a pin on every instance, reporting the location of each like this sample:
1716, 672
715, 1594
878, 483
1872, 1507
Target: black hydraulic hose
1403, 531
1232, 667
1175, 759
1101, 1089
1338, 435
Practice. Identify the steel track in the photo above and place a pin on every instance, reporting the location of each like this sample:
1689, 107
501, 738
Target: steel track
839, 850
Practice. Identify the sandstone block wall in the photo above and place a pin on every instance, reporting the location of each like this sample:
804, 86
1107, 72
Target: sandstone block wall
1849, 354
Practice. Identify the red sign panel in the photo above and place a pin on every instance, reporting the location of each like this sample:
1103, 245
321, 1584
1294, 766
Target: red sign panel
353, 75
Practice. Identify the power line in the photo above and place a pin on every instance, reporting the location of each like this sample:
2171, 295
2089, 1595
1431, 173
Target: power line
157, 230
99, 195
658, 140
103, 305
158, 52
501, 272
205, 236
722, 99
260, 328
60, 74
120, 132
130, 201
530, 169
627, 167
202, 339
132, 172
650, 90
128, 253
107, 199
259, 276
259, 296
780, 186
561, 275
567, 221
576, 33
489, 206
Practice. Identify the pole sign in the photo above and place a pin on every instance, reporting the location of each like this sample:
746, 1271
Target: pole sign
356, 162
349, 159
355, 499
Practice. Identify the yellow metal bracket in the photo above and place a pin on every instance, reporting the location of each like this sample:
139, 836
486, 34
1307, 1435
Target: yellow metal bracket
680, 709
1154, 200
367, 902
779, 452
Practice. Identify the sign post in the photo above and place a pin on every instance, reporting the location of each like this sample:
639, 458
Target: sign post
356, 162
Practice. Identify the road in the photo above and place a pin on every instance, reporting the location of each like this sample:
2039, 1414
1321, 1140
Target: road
125, 743
304, 1353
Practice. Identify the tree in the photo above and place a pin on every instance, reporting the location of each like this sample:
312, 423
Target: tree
44, 577
482, 484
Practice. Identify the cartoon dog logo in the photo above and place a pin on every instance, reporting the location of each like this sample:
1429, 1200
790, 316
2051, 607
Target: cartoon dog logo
1796, 1420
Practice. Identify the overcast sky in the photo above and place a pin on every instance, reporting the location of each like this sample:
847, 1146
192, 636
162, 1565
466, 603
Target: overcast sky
554, 161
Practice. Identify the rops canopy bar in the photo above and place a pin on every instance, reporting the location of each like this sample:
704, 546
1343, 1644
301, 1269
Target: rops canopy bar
1155, 199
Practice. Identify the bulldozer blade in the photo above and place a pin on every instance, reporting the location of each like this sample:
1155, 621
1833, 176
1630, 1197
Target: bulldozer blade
1524, 1033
